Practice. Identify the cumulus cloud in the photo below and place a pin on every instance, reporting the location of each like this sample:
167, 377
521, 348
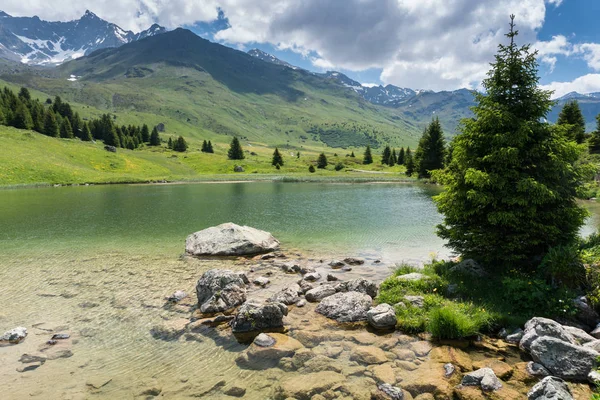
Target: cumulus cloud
433, 44
584, 84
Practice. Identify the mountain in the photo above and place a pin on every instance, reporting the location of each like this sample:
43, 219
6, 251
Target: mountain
31, 40
261, 55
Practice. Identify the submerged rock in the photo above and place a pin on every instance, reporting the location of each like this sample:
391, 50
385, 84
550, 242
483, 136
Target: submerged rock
255, 317
307, 386
354, 261
319, 293
230, 240
15, 335
287, 296
345, 306
483, 377
220, 290
391, 392
177, 296
335, 264
550, 388
382, 316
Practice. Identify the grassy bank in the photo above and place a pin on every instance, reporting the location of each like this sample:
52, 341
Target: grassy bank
31, 159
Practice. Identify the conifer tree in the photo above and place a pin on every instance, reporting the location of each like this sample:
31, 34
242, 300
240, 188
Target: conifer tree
393, 158
50, 124
77, 125
352, 154
572, 118
277, 158
154, 138
431, 153
511, 185
86, 135
235, 150
66, 131
210, 149
170, 143
145, 133
311, 169
129, 143
594, 141
24, 95
37, 116
368, 157
112, 138
204, 148
322, 161
22, 117
298, 155
407, 154
2, 117
409, 163
180, 144
385, 157
400, 160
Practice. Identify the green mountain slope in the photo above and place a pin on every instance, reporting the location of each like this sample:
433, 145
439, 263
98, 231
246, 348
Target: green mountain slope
203, 90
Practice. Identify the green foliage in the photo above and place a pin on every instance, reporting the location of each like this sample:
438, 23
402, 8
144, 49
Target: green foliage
22, 117
207, 147
50, 124
458, 320
66, 131
594, 140
339, 166
311, 169
368, 157
322, 161
431, 153
145, 133
154, 137
409, 163
345, 134
385, 156
277, 158
235, 150
180, 144
572, 118
511, 185
401, 156
563, 265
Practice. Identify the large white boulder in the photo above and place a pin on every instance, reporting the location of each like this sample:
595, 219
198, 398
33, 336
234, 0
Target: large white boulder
230, 240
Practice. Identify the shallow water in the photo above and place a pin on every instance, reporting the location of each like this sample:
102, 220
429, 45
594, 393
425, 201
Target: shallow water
98, 262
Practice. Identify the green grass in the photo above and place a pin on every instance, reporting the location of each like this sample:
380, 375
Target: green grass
29, 158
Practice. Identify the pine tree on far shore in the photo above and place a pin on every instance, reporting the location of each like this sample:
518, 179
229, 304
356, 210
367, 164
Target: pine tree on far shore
277, 159
571, 117
209, 148
368, 157
235, 150
400, 160
409, 163
180, 144
50, 124
431, 153
322, 161
385, 156
154, 138
145, 133
594, 141
204, 148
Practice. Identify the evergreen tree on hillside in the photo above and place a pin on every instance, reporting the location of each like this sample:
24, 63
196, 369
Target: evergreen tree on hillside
112, 138
431, 153
511, 185
180, 144
50, 124
24, 95
170, 143
154, 138
277, 159
409, 163
77, 125
392, 159
400, 160
2, 117
209, 148
594, 141
368, 157
352, 155
204, 148
66, 131
235, 150
572, 118
145, 133
407, 154
322, 161
22, 117
385, 156
86, 135
37, 116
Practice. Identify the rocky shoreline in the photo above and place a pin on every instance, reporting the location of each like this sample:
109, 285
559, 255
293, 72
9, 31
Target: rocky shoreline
313, 331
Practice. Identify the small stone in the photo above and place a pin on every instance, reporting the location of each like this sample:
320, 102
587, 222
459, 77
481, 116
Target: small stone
304, 286
550, 388
301, 303
515, 337
483, 377
319, 293
332, 278
153, 391
14, 336
421, 349
235, 391
177, 296
30, 366
415, 301
536, 369
382, 316
264, 340
346, 268
449, 370
594, 377
392, 392
29, 358
60, 336
313, 276
261, 281
368, 355
335, 264
354, 261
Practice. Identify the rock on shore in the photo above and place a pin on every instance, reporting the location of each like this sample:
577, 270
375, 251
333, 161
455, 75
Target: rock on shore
230, 240
220, 290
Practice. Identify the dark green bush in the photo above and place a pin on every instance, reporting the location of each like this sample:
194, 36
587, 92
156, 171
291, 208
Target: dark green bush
563, 265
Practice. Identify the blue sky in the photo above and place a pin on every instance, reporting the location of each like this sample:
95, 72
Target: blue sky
432, 44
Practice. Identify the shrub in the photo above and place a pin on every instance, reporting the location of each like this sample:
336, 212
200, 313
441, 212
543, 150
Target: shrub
311, 169
458, 320
562, 264
339, 166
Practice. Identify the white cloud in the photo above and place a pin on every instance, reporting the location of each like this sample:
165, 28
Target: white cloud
591, 54
584, 84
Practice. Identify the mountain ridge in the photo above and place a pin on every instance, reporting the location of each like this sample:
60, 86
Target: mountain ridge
33, 41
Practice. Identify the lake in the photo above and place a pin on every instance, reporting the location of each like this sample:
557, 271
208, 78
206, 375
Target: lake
98, 261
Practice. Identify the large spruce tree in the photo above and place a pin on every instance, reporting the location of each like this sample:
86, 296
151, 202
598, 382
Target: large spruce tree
66, 131
400, 160
431, 152
154, 137
22, 117
368, 157
572, 119
50, 124
322, 161
180, 144
277, 158
385, 156
235, 151
510, 187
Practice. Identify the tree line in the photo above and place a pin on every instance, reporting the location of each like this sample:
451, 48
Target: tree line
56, 118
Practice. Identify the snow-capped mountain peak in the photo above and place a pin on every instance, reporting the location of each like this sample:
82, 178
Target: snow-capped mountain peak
31, 40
